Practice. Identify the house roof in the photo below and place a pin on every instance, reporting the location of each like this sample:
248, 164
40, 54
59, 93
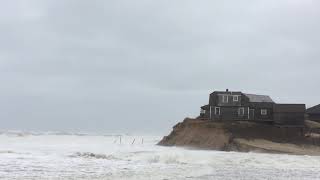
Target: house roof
314, 110
226, 92
259, 98
205, 107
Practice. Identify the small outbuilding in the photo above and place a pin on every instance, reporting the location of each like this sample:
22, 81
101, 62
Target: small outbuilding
289, 114
314, 113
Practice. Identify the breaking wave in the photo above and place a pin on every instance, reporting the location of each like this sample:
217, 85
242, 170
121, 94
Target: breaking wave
90, 155
6, 152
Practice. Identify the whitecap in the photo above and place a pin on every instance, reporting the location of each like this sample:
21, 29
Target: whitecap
91, 155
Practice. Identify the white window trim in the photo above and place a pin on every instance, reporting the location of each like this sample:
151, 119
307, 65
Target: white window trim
236, 98
223, 98
264, 111
215, 111
239, 111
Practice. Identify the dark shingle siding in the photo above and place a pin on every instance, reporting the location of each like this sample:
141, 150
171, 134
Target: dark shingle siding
289, 108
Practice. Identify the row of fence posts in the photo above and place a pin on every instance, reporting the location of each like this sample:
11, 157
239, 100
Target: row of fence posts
120, 140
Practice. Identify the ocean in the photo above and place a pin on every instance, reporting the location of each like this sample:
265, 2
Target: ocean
69, 156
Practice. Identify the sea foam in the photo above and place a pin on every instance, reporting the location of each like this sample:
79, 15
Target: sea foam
50, 156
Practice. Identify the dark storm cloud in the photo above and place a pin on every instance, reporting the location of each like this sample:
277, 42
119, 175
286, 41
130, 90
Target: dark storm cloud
143, 65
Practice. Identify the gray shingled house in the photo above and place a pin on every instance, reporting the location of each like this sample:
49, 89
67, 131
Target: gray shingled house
238, 106
314, 113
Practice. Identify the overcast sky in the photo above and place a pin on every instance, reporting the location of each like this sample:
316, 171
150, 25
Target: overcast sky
143, 65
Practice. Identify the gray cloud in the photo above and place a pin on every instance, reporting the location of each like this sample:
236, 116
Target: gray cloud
141, 66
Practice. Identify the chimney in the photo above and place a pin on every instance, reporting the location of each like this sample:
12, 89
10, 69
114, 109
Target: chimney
227, 90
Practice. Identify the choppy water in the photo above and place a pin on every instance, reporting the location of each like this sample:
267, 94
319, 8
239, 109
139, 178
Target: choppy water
52, 156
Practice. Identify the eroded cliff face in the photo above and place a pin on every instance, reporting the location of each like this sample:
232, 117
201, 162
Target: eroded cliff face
242, 136
198, 134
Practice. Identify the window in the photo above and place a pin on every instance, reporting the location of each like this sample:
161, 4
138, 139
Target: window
217, 110
235, 98
241, 111
225, 98
264, 112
